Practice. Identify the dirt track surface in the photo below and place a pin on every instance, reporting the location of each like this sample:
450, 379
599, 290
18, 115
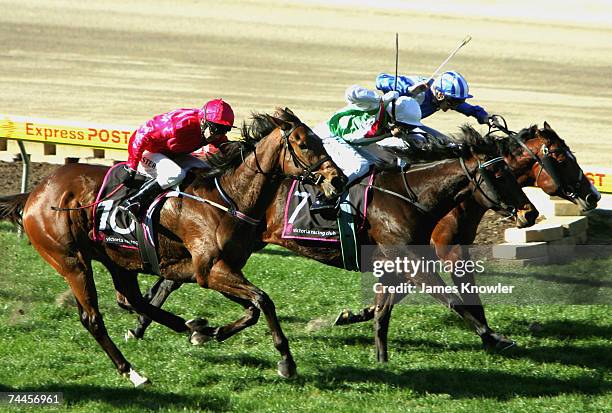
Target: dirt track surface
121, 62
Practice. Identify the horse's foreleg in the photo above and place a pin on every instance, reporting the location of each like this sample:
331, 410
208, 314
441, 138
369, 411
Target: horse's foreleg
491, 340
382, 317
232, 283
433, 282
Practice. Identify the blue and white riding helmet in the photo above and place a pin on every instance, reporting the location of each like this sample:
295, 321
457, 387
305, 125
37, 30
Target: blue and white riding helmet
453, 85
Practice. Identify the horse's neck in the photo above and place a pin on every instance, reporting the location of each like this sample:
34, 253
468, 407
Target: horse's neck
522, 165
251, 189
440, 187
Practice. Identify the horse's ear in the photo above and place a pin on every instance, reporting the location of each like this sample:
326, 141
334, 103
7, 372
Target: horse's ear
289, 111
278, 122
547, 126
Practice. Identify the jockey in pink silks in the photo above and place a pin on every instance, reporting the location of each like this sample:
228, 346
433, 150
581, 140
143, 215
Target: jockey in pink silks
161, 148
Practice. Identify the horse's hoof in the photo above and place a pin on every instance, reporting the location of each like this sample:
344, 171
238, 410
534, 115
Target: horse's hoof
498, 343
196, 324
287, 370
130, 335
197, 339
136, 379
343, 318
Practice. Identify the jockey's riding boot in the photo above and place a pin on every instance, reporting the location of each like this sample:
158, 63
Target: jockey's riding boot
324, 204
147, 192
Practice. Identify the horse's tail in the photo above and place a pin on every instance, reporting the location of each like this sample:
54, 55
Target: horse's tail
11, 208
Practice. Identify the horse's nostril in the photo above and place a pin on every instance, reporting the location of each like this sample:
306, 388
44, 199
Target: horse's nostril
592, 199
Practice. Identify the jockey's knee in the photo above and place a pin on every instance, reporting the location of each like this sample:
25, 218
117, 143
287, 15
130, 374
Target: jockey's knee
171, 176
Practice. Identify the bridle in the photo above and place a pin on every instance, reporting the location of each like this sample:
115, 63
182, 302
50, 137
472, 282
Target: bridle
547, 162
482, 175
307, 174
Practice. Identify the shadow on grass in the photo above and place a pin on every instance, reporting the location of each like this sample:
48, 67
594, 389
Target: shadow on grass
564, 329
461, 383
147, 399
240, 359
598, 357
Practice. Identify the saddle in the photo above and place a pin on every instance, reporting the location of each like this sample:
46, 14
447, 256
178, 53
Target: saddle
118, 227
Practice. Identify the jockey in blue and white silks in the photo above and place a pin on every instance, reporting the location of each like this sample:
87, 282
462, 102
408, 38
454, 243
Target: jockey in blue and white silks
447, 91
367, 119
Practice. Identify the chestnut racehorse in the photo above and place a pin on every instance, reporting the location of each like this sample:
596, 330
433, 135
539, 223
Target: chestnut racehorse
197, 242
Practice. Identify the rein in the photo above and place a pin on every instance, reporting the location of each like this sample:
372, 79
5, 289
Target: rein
232, 210
478, 184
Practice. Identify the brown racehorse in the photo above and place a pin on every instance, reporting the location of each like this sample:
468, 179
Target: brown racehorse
197, 242
536, 157
393, 221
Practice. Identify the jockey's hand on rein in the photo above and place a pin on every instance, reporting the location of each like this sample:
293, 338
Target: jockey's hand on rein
130, 174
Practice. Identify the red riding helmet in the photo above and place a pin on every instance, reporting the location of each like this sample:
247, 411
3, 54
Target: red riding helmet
218, 111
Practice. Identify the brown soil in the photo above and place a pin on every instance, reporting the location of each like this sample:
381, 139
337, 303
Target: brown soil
490, 231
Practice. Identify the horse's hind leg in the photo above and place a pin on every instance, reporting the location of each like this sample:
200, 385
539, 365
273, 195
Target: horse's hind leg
156, 296
77, 271
126, 284
203, 333
232, 283
347, 317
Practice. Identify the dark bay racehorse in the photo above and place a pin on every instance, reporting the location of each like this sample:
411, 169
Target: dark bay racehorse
536, 157
440, 187
197, 242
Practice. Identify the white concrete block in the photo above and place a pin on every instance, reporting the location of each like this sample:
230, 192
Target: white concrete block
538, 232
572, 225
526, 261
517, 250
564, 208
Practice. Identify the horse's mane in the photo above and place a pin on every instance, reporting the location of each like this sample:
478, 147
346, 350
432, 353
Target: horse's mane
232, 154
468, 141
503, 145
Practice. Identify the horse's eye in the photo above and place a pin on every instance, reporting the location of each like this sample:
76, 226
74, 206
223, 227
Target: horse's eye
303, 145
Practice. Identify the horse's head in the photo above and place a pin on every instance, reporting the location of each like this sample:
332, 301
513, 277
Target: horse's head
554, 167
493, 184
304, 155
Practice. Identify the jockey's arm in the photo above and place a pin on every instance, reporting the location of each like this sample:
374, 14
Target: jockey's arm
144, 136
386, 83
475, 111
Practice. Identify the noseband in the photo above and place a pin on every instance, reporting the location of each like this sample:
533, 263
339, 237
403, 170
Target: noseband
484, 175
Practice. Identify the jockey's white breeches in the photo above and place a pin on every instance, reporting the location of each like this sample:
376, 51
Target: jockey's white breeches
168, 171
350, 159
354, 161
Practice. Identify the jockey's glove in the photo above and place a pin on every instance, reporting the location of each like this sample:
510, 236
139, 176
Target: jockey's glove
483, 118
417, 88
390, 96
130, 173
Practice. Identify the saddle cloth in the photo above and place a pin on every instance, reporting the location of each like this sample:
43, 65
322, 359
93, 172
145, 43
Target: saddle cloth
113, 225
300, 223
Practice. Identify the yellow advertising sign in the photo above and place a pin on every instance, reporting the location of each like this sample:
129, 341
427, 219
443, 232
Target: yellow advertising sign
600, 177
64, 132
